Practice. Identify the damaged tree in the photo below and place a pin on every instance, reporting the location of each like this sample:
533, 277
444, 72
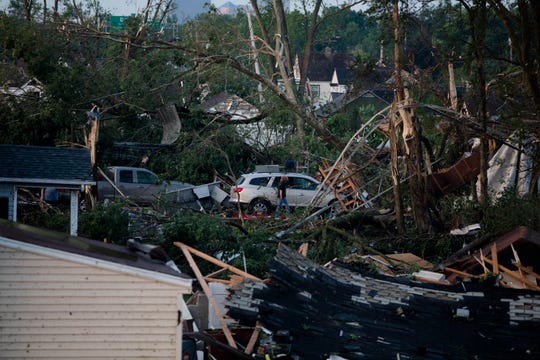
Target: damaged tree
410, 128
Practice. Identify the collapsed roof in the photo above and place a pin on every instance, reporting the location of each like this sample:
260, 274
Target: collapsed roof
346, 311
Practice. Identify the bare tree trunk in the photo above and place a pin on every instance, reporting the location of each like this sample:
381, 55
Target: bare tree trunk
55, 10
478, 22
479, 40
398, 205
411, 136
285, 62
452, 91
282, 29
307, 48
28, 7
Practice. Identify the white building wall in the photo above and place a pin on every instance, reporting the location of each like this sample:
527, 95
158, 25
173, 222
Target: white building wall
52, 308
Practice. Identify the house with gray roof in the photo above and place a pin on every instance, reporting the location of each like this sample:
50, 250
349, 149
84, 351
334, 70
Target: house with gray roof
328, 75
41, 167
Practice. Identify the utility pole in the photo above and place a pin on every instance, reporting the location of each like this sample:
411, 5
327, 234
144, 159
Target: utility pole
254, 47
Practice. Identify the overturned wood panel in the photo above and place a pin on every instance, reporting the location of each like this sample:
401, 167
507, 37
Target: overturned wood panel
452, 178
357, 315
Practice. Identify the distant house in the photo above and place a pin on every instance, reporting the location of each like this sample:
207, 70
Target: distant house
43, 167
32, 88
66, 297
327, 76
229, 106
225, 106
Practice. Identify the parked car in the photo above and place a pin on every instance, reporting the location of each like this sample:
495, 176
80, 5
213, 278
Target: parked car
138, 184
145, 188
257, 191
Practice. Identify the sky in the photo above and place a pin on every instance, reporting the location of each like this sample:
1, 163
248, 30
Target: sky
127, 7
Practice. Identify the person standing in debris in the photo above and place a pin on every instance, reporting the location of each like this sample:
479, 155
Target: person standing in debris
282, 196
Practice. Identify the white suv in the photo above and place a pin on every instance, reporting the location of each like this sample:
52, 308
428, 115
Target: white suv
258, 191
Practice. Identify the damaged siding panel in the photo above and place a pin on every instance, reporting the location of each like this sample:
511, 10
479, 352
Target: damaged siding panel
58, 309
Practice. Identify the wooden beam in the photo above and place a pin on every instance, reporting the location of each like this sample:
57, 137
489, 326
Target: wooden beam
461, 273
526, 282
253, 338
482, 262
111, 182
528, 271
209, 295
221, 281
222, 270
216, 261
517, 262
495, 258
302, 250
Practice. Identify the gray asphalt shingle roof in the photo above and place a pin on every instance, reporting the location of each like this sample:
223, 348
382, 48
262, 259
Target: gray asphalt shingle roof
118, 254
45, 163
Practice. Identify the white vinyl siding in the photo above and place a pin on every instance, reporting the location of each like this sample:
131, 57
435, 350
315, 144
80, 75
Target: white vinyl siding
52, 308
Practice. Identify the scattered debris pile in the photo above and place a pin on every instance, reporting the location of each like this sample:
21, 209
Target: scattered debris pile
223, 338
342, 309
511, 260
346, 185
483, 304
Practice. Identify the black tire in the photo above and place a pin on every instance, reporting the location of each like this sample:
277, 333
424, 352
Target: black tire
260, 207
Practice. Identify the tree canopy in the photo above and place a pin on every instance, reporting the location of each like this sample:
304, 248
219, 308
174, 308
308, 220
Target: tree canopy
486, 48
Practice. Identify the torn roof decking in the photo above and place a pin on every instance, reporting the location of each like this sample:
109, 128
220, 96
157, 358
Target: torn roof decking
525, 241
338, 310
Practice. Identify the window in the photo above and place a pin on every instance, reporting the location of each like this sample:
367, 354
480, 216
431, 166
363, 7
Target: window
240, 180
301, 183
126, 176
315, 91
260, 181
144, 177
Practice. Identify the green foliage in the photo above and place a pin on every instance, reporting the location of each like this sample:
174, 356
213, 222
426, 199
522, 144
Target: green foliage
106, 223
345, 30
203, 154
196, 229
78, 69
216, 238
34, 42
348, 121
502, 215
53, 218
510, 211
330, 246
